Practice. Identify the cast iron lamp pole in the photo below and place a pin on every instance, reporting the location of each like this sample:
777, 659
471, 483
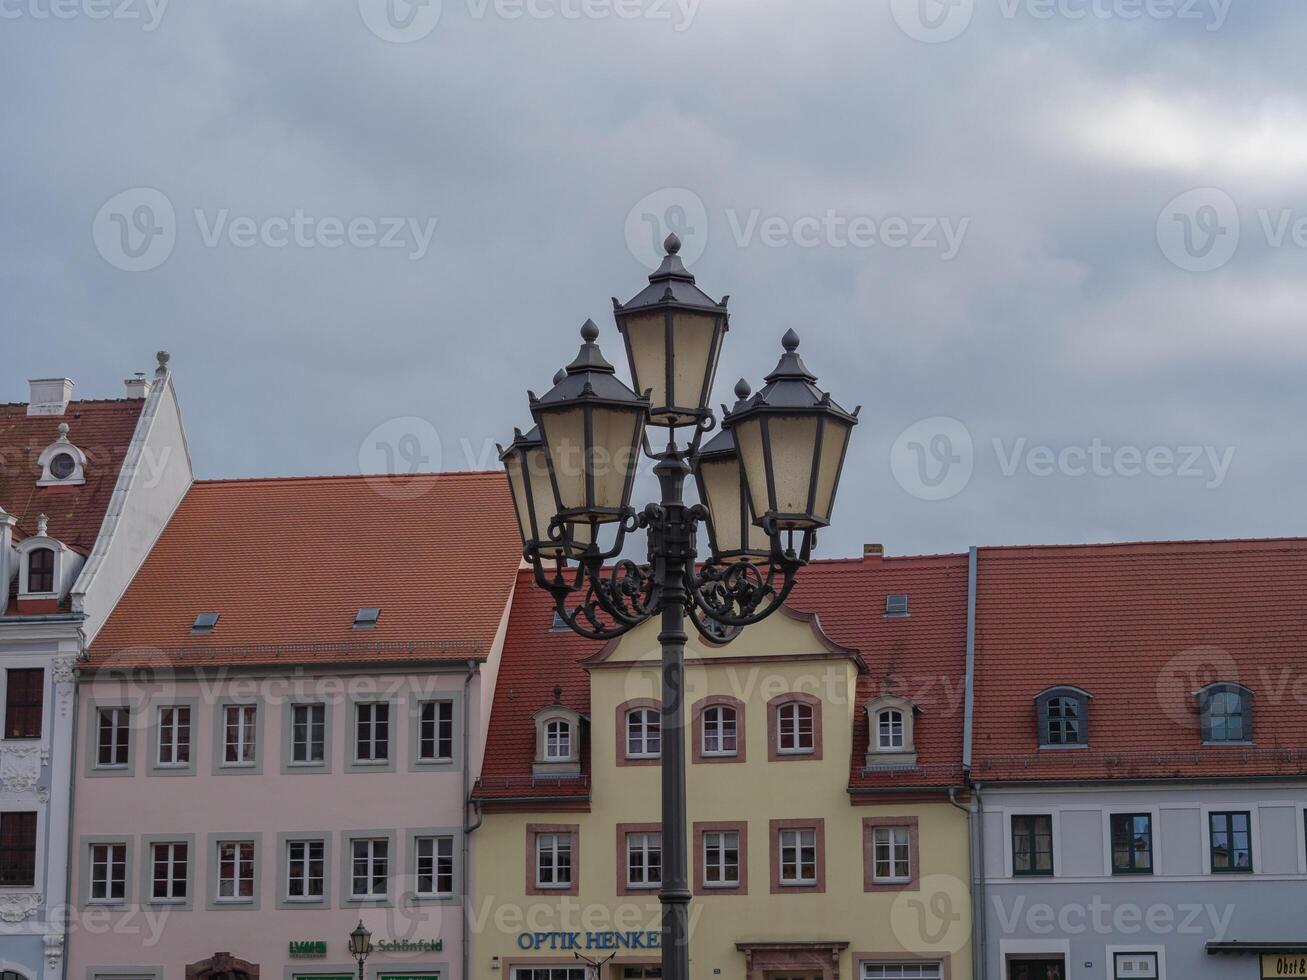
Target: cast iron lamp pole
766, 484
360, 944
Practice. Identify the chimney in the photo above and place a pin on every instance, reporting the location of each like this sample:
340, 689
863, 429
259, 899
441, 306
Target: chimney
49, 396
138, 387
873, 551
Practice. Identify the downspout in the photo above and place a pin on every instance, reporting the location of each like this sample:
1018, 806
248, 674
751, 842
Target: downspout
69, 898
976, 812
473, 667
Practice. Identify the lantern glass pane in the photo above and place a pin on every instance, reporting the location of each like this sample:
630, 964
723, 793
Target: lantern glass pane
646, 338
835, 436
615, 433
694, 348
793, 442
563, 431
517, 483
719, 489
753, 459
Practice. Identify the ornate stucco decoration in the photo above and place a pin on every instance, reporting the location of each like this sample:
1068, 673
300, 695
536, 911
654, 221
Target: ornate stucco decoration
16, 908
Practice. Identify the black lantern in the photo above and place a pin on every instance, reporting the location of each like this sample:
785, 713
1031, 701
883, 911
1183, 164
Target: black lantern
591, 425
360, 942
791, 438
732, 530
673, 332
533, 498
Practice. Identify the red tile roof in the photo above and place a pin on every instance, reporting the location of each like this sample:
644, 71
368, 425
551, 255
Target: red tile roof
101, 429
287, 563
922, 656
1140, 627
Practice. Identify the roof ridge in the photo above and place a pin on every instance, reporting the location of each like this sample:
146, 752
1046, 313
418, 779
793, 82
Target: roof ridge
1160, 545
344, 477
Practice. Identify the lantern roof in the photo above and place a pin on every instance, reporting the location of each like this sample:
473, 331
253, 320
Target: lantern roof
521, 441
671, 284
589, 376
723, 444
790, 386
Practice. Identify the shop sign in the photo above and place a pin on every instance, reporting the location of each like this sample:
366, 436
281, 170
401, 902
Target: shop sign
411, 946
305, 948
1277, 965
589, 940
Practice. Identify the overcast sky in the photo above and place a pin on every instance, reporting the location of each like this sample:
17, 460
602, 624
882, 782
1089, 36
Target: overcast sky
1054, 248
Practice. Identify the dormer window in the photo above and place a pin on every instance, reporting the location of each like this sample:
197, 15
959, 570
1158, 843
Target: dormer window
62, 463
558, 740
891, 724
1062, 714
1226, 713
40, 570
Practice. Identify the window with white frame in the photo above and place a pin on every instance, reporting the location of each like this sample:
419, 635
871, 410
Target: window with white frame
372, 731
644, 728
720, 731
891, 854
112, 738
889, 729
549, 973
553, 860
794, 728
235, 871
721, 859
308, 733
917, 970
436, 731
170, 863
1134, 966
370, 873
306, 869
108, 872
558, 740
435, 866
644, 860
174, 735
798, 852
239, 734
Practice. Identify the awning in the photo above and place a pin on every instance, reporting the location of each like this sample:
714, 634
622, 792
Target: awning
1257, 948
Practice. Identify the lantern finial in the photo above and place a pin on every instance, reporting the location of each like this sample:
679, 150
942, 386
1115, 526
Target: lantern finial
790, 341
672, 244
559, 375
589, 332
742, 389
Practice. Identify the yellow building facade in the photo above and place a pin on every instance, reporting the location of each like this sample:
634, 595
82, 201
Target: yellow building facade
797, 872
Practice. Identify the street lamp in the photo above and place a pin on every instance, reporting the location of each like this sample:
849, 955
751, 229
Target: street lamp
360, 944
766, 484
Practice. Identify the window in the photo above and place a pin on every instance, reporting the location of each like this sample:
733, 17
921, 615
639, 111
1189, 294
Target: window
370, 873
372, 732
643, 734
721, 735
169, 872
642, 972
553, 861
235, 871
901, 971
1231, 841
1226, 713
889, 729
644, 860
794, 731
1032, 845
108, 872
721, 859
308, 734
1063, 721
798, 852
112, 744
205, 622
40, 570
558, 741
367, 618
896, 605
18, 848
174, 735
24, 697
436, 731
1134, 966
239, 747
1062, 714
435, 866
549, 973
305, 869
1132, 844
891, 854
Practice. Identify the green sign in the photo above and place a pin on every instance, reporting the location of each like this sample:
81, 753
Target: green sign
411, 946
307, 948
329, 976
409, 976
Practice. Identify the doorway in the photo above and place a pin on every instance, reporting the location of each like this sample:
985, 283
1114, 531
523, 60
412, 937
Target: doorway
1045, 969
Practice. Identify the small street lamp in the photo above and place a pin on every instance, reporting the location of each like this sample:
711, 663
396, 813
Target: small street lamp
766, 485
360, 944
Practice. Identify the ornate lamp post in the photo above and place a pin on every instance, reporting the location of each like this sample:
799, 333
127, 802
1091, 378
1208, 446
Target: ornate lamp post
360, 945
766, 484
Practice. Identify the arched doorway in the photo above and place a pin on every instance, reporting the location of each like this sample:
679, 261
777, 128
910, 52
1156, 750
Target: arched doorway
222, 966
11, 975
